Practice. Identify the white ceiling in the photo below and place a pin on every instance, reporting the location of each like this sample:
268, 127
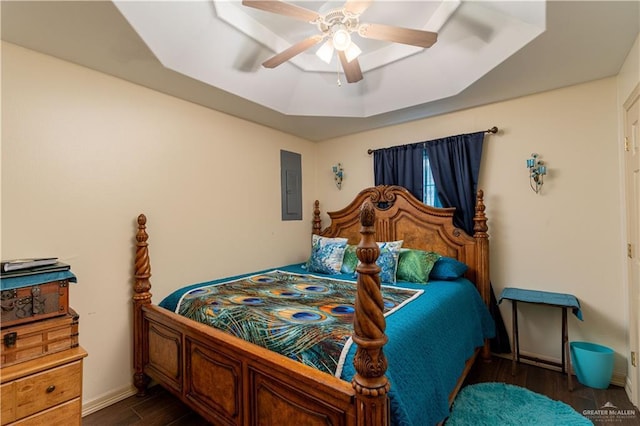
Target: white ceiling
186, 37
210, 53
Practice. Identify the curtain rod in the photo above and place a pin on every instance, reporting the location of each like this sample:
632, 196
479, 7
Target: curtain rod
493, 130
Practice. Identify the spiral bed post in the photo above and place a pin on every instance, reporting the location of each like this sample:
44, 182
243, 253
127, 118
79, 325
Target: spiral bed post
141, 297
370, 383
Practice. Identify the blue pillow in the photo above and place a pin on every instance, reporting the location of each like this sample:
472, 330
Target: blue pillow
326, 254
388, 260
447, 268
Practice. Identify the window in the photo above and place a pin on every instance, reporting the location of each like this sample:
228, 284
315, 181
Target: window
430, 196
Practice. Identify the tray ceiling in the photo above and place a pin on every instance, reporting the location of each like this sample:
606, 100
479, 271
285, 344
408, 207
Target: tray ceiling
209, 52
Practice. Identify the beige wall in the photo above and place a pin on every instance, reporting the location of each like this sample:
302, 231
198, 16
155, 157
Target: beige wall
566, 239
83, 153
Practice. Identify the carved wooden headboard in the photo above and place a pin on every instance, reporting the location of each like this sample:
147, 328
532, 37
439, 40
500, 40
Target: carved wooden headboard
400, 216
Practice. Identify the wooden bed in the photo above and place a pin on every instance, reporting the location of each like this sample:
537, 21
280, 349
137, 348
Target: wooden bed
232, 382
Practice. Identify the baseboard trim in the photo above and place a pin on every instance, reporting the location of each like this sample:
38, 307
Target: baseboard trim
107, 399
617, 379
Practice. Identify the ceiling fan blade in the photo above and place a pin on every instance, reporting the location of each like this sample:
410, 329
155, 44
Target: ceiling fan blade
282, 8
352, 70
294, 50
398, 34
356, 7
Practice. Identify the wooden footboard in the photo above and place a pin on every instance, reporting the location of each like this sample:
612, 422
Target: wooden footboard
232, 382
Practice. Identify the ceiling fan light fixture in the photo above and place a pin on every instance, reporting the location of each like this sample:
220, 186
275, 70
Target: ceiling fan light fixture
352, 52
341, 37
325, 52
334, 32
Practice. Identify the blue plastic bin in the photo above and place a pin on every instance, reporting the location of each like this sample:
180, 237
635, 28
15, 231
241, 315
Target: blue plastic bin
592, 363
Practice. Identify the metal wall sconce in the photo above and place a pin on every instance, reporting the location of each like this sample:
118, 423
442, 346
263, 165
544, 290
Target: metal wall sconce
537, 170
337, 175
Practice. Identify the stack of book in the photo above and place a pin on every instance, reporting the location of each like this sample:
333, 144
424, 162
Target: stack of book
31, 266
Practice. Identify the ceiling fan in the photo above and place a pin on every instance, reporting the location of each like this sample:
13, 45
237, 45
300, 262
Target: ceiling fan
336, 27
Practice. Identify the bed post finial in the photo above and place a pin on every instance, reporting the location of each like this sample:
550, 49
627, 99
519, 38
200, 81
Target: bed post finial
141, 297
317, 222
480, 218
370, 383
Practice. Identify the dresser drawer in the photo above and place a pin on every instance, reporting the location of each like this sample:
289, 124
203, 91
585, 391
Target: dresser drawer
47, 389
8, 402
67, 414
43, 391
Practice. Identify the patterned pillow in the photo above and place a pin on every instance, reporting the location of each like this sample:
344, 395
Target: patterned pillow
326, 254
448, 268
388, 260
415, 265
350, 260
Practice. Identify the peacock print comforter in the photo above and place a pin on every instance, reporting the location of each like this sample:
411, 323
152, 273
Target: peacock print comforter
433, 329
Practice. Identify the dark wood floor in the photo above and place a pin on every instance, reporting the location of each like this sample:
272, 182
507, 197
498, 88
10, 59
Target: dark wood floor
160, 408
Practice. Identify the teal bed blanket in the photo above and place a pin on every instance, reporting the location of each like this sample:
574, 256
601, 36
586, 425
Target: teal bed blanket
433, 329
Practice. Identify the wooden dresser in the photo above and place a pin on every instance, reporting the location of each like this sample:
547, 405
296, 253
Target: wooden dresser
45, 390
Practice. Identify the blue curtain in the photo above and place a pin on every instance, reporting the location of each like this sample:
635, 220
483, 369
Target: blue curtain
455, 164
400, 165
